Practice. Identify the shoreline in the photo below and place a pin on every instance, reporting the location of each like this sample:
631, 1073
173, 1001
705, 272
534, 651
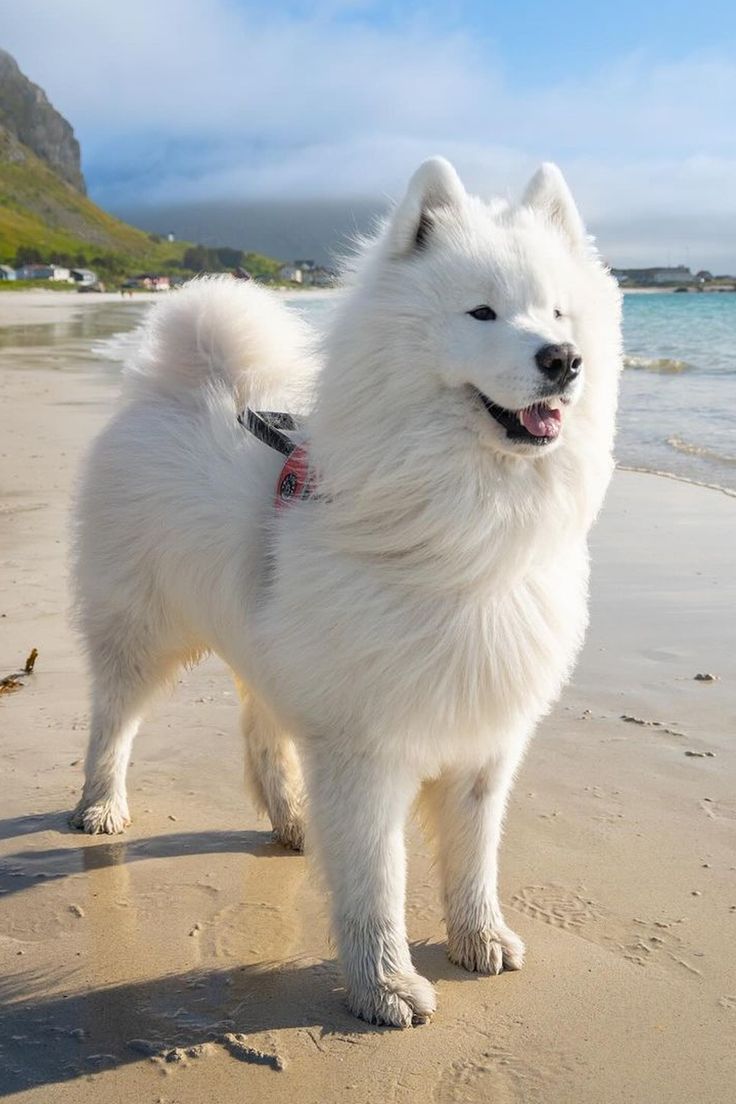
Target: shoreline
672, 290
127, 960
678, 478
42, 306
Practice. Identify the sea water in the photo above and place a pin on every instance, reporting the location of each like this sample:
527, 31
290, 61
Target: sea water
678, 393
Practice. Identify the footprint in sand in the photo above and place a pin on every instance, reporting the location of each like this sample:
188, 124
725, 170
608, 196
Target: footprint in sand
719, 810
639, 941
474, 1080
555, 905
495, 1075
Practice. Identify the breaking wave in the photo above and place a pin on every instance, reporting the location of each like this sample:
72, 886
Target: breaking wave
700, 450
662, 365
119, 348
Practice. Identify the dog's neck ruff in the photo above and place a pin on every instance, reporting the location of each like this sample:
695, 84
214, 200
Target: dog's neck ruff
295, 480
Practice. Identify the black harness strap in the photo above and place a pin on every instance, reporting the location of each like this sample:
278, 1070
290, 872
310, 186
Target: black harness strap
296, 480
271, 427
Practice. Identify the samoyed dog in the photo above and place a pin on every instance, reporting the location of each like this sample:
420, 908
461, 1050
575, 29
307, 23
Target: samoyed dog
399, 628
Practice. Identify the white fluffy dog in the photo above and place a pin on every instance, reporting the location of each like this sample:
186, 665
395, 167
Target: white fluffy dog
406, 626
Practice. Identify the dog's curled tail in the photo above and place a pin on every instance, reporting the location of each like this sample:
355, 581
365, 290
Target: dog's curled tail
225, 333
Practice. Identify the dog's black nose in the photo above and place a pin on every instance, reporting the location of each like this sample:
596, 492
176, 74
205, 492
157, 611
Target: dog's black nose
560, 363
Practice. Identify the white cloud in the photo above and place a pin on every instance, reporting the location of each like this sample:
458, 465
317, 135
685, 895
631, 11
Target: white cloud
199, 98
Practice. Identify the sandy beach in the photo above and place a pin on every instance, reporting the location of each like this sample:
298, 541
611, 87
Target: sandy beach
189, 960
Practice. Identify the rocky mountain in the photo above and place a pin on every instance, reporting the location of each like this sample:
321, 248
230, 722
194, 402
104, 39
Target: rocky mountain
27, 115
45, 213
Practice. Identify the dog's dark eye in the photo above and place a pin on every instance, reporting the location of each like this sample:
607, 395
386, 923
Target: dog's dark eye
483, 314
557, 313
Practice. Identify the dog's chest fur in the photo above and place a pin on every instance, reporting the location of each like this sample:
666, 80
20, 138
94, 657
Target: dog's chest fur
462, 648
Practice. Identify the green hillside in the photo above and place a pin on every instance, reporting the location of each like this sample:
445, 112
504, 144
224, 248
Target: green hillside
46, 216
42, 218
40, 211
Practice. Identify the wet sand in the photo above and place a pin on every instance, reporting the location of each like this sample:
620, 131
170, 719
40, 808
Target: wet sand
43, 307
189, 960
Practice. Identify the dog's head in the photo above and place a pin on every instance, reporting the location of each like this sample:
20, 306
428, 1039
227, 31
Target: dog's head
496, 300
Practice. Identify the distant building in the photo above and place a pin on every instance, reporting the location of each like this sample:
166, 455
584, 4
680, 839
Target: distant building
320, 276
43, 272
148, 281
6, 272
83, 276
170, 237
676, 276
292, 273
308, 273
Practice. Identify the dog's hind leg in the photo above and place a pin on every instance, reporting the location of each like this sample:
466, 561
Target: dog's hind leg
272, 772
127, 667
464, 810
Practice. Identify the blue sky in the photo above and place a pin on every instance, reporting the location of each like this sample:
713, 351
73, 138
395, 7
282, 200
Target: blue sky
542, 41
222, 99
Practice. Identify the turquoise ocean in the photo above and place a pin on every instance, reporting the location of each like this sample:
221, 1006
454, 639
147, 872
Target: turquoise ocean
678, 394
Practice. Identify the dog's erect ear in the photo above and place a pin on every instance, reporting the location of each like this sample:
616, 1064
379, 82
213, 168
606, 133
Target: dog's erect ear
435, 185
547, 192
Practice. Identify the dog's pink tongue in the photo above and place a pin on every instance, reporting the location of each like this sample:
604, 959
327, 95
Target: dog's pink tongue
541, 421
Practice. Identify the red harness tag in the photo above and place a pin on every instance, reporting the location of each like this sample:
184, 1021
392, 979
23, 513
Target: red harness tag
294, 481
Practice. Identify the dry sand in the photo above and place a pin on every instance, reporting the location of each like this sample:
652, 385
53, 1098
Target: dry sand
188, 961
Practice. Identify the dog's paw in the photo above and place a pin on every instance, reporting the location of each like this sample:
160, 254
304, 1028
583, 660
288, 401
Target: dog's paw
402, 1001
290, 834
486, 952
108, 817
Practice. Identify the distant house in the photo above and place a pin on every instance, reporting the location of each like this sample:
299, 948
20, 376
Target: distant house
307, 273
674, 276
323, 277
43, 272
83, 276
149, 281
292, 273
6, 272
680, 274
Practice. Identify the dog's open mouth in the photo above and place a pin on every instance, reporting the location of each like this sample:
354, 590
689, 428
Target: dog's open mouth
537, 424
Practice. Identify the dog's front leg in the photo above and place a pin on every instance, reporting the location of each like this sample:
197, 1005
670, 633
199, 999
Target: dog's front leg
466, 808
359, 806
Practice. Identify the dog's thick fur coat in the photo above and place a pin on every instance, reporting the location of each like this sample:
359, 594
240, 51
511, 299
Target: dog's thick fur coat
406, 629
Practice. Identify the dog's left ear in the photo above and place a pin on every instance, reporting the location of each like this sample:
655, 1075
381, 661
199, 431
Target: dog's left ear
435, 185
547, 192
